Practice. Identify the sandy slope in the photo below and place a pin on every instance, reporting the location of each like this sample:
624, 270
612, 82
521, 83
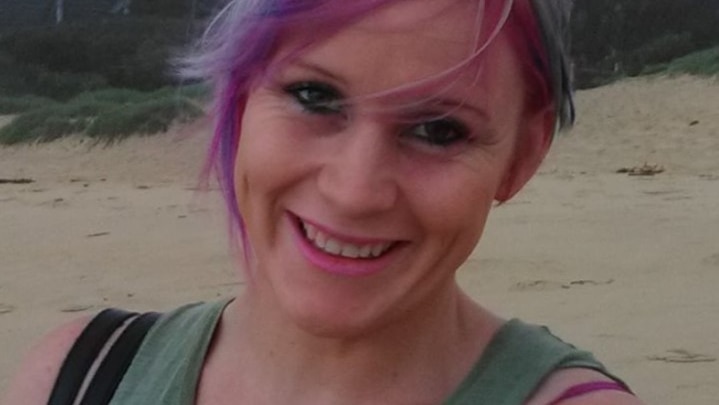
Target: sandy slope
627, 266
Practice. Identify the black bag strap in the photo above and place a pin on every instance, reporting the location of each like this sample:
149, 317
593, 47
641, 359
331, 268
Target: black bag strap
83, 354
87, 348
113, 367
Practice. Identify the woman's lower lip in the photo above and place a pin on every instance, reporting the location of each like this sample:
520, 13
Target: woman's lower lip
338, 265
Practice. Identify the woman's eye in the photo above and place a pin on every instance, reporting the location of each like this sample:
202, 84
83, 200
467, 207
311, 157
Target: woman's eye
316, 98
440, 132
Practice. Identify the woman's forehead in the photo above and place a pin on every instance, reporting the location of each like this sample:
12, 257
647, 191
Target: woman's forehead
424, 37
449, 21
452, 19
404, 44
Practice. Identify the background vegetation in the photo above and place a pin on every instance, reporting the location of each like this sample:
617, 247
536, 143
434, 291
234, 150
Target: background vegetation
619, 38
103, 70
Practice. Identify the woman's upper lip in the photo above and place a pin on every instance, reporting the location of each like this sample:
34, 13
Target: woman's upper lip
341, 236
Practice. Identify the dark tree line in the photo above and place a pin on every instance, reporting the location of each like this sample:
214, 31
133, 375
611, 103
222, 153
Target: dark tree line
129, 46
621, 37
97, 44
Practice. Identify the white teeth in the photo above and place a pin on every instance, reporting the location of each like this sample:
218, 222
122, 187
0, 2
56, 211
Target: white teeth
378, 249
337, 248
365, 251
320, 240
350, 251
333, 247
311, 231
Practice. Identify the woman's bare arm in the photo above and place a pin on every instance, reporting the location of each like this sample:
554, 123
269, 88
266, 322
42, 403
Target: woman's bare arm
36, 376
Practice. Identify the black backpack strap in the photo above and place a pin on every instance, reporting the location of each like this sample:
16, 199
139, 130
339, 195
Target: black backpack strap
113, 367
83, 354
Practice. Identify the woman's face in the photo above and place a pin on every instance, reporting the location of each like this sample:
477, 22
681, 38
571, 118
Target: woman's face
359, 211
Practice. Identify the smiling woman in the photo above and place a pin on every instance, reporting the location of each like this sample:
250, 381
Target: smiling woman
360, 146
413, 176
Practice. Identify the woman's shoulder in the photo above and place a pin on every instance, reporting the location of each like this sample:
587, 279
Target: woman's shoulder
547, 369
576, 372
37, 373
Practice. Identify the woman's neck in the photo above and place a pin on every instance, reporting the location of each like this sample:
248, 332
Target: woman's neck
419, 358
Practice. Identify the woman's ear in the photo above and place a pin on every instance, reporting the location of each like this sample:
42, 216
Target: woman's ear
533, 140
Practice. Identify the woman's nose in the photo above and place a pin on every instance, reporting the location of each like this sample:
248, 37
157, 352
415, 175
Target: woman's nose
357, 178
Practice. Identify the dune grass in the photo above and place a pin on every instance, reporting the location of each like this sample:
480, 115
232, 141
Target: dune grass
702, 63
51, 122
106, 115
21, 104
144, 118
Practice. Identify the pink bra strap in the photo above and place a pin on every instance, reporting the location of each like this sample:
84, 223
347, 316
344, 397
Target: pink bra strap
586, 388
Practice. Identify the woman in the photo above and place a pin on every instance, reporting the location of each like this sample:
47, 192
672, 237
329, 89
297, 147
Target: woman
360, 146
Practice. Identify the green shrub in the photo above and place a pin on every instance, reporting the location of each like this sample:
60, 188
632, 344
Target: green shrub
20, 104
148, 117
197, 91
129, 96
111, 95
51, 122
702, 63
41, 125
109, 114
659, 68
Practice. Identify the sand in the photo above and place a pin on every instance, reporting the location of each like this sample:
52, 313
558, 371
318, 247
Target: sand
627, 266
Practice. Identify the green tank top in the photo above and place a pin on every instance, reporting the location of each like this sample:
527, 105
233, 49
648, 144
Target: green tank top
166, 368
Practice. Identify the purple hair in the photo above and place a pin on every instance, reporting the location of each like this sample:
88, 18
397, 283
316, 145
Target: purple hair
238, 47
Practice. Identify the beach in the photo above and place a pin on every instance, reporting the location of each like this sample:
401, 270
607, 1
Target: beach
614, 244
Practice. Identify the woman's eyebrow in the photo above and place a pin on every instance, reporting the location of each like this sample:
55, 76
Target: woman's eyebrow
307, 65
452, 104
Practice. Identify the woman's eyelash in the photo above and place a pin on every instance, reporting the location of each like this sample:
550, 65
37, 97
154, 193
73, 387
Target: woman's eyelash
439, 132
316, 97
